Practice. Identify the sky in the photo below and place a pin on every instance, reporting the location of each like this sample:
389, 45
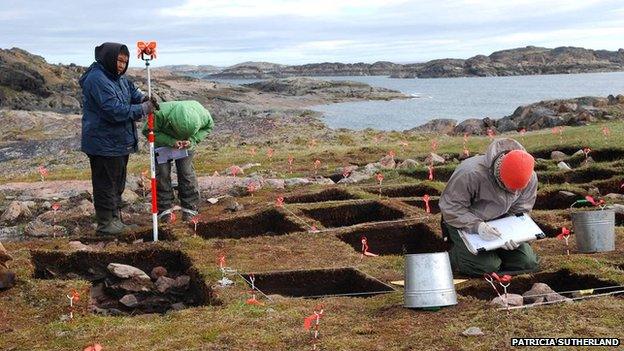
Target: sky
225, 32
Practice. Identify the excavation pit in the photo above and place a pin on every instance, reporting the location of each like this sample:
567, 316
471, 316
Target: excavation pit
266, 223
107, 289
441, 174
320, 283
560, 281
434, 205
351, 214
396, 239
323, 196
145, 234
613, 185
555, 200
407, 191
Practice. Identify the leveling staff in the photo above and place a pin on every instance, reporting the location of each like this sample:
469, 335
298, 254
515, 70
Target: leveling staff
483, 188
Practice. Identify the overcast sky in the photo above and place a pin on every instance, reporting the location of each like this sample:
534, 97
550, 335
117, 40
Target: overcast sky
224, 32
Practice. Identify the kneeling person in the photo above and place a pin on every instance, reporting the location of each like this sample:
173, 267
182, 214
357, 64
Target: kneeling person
484, 188
179, 125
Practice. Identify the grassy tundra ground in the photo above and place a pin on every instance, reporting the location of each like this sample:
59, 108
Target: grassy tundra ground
30, 313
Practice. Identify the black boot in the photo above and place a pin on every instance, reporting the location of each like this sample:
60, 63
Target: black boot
119, 219
107, 225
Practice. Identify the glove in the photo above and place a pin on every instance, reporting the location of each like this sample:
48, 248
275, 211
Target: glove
510, 245
155, 103
147, 107
487, 232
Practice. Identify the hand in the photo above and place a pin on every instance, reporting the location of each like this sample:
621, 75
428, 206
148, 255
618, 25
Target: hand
511, 245
487, 232
147, 107
186, 144
155, 103
179, 144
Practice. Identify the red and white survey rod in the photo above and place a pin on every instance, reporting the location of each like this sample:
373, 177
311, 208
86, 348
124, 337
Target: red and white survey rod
146, 49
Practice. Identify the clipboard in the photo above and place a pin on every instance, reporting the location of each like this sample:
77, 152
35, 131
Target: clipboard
165, 154
519, 228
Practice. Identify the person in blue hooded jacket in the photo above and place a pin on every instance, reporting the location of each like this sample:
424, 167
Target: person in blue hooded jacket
111, 107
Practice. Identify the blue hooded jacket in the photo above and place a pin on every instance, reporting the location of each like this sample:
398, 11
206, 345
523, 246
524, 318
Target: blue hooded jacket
111, 106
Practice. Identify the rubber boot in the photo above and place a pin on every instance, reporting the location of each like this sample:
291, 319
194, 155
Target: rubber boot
107, 225
118, 218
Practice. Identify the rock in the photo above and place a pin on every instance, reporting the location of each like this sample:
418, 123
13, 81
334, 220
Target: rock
617, 208
178, 306
78, 246
11, 233
134, 284
434, 158
437, 126
537, 293
566, 194
322, 181
125, 271
615, 197
588, 161
182, 281
7, 279
163, 284
372, 168
292, 182
554, 297
129, 301
408, 163
129, 196
512, 299
564, 166
247, 166
37, 228
96, 293
15, 210
558, 156
387, 162
158, 272
230, 204
470, 126
473, 331
579, 153
355, 177
275, 183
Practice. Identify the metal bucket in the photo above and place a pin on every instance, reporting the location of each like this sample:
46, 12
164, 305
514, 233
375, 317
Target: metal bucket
428, 281
594, 230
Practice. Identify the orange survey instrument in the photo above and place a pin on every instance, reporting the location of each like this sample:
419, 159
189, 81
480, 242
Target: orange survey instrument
146, 49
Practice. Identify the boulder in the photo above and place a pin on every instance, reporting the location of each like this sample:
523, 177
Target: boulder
511, 299
11, 233
434, 158
615, 196
182, 282
78, 246
473, 331
158, 272
437, 126
15, 210
135, 284
125, 271
537, 293
230, 204
129, 196
408, 163
292, 182
355, 177
387, 162
564, 166
558, 156
129, 300
163, 284
38, 228
470, 126
372, 168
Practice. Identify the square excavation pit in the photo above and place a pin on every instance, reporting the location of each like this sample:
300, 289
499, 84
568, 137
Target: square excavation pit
325, 195
608, 186
320, 283
407, 191
108, 289
396, 239
559, 281
351, 214
265, 223
554, 200
144, 234
434, 205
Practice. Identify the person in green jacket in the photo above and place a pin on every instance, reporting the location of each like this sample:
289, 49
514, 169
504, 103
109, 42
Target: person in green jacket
179, 125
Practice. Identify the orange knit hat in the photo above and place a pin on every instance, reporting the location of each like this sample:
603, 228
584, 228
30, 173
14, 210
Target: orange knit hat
516, 169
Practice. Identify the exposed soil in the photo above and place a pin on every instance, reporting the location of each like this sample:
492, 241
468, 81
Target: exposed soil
144, 234
407, 191
92, 266
554, 200
269, 222
396, 239
320, 283
333, 194
559, 281
613, 185
350, 214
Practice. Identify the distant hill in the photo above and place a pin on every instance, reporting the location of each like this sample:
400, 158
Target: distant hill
529, 60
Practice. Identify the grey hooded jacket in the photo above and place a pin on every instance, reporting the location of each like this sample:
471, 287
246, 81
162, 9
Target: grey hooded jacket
473, 195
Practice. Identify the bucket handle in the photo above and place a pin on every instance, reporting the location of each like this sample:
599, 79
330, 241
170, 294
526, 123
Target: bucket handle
600, 204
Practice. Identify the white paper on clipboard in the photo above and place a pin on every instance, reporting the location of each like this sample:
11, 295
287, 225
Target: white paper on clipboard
519, 228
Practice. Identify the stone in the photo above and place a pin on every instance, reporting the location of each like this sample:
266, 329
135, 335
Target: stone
473, 331
38, 228
125, 271
355, 177
182, 281
134, 284
408, 163
230, 204
434, 158
15, 210
78, 246
292, 182
564, 166
178, 306
372, 168
579, 153
566, 194
129, 300
511, 299
558, 156
438, 126
11, 233
387, 162
470, 126
96, 293
4, 257
7, 279
163, 284
129, 196
615, 196
275, 183
322, 181
617, 208
554, 297
158, 272
247, 166
537, 293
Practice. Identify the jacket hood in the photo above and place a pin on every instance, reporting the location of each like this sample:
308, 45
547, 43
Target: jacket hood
106, 55
499, 146
184, 124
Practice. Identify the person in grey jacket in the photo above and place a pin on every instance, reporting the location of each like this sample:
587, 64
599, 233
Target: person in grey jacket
483, 188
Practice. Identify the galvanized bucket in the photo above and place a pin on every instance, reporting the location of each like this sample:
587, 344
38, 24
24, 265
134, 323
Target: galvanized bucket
594, 230
428, 281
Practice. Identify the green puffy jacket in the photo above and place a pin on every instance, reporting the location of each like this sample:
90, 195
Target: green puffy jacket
180, 120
